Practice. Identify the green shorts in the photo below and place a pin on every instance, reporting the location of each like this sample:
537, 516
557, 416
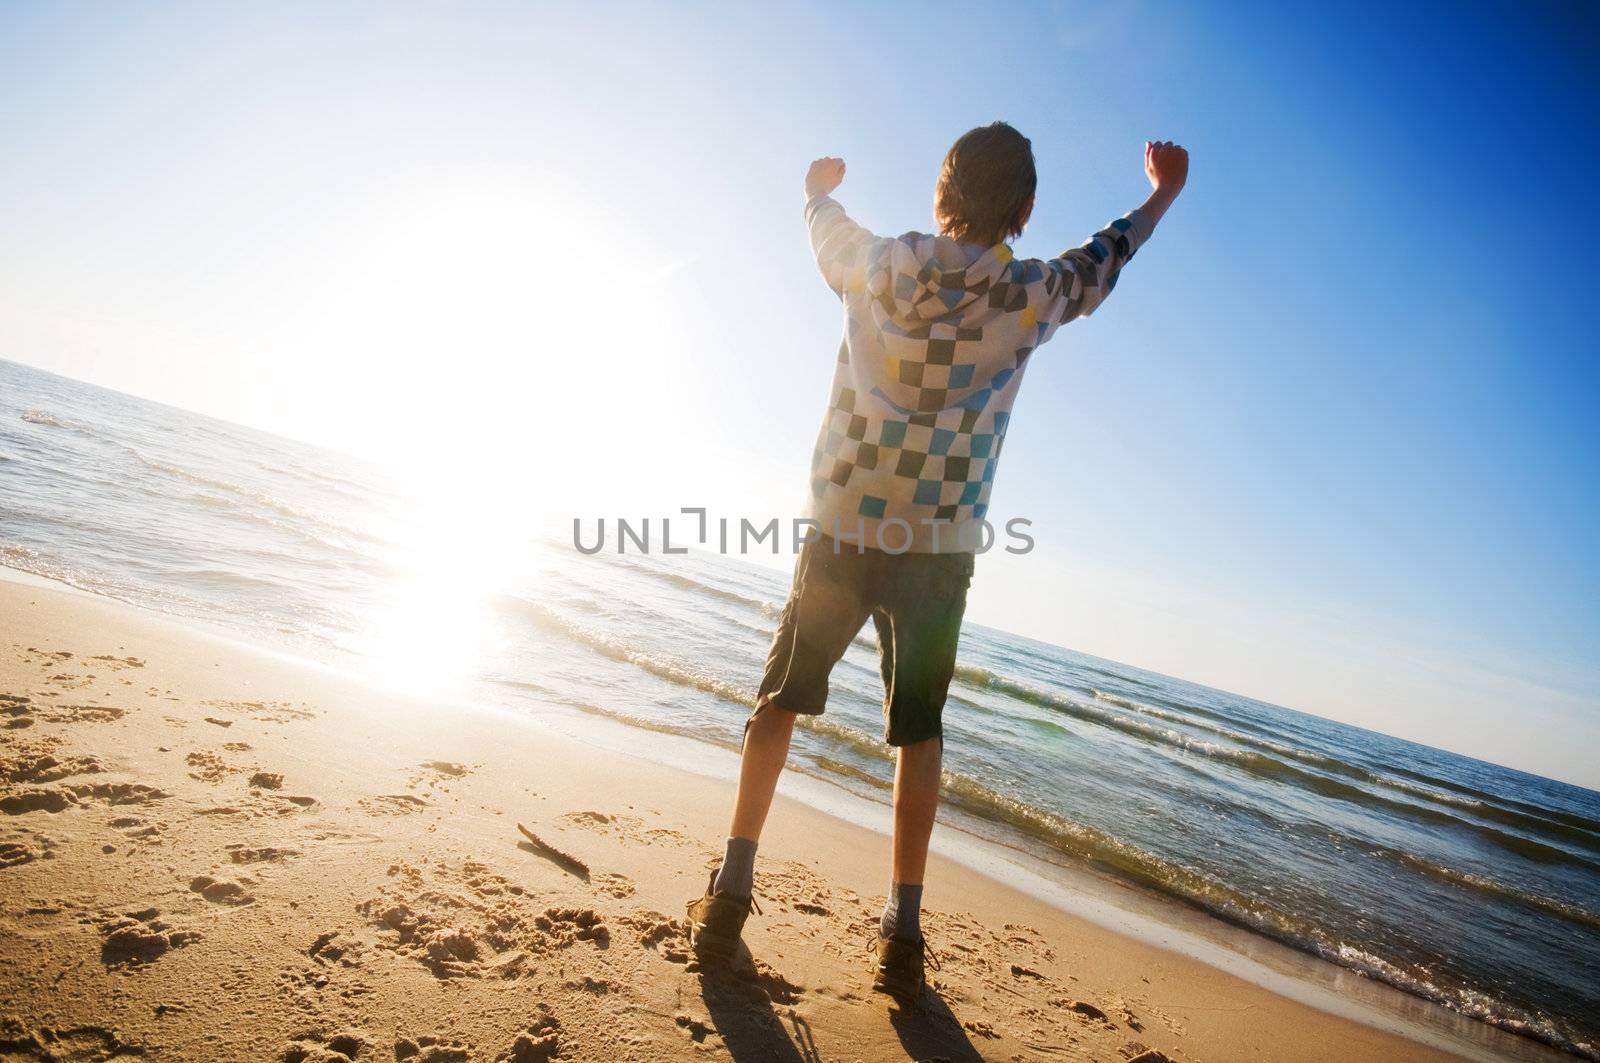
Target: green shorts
916, 602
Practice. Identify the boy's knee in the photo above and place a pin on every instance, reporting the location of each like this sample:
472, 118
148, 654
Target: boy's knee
922, 748
771, 714
769, 718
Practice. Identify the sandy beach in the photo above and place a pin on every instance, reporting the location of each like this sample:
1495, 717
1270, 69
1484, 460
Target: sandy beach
214, 852
432, 437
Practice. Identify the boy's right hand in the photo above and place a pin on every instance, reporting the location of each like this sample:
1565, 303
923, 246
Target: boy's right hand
824, 176
1167, 166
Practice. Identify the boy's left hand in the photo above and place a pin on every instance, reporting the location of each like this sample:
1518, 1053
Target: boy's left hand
824, 176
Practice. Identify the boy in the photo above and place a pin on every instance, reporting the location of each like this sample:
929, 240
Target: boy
938, 330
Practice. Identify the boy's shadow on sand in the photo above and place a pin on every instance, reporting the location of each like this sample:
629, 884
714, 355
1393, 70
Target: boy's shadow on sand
928, 1029
740, 999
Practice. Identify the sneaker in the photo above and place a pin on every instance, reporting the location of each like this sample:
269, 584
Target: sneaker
900, 971
716, 920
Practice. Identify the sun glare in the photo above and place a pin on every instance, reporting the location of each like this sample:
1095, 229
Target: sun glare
489, 323
484, 318
469, 540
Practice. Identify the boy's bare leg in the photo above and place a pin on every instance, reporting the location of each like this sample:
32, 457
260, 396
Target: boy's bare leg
717, 919
766, 748
916, 801
901, 946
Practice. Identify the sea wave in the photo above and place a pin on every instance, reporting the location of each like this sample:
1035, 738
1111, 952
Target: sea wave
1587, 824
1463, 999
52, 567
665, 666
1259, 763
645, 723
1480, 884
689, 583
42, 417
305, 522
1477, 802
349, 488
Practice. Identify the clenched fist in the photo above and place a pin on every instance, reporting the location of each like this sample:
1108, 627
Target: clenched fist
824, 176
1167, 165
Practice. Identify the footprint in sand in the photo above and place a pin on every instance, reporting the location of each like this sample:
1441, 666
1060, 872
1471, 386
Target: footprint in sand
120, 793
618, 887
566, 926
598, 821
335, 947
447, 951
630, 828
771, 981
265, 803
220, 890
57, 798
265, 711
14, 853
660, 933
16, 711
334, 836
697, 1030
315, 1046
392, 805
308, 990
23, 846
981, 1029
208, 767
433, 773
139, 938
85, 1044
468, 922
79, 713
540, 1043
597, 986
37, 762
445, 767
19, 710
117, 664
430, 1049
137, 830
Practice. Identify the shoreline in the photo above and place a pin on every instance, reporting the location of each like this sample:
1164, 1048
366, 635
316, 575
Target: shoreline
1129, 910
1301, 1007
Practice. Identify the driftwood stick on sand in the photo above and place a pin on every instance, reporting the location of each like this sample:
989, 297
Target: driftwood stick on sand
565, 862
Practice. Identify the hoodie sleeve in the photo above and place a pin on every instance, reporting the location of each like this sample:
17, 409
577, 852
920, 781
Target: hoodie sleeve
1077, 282
838, 243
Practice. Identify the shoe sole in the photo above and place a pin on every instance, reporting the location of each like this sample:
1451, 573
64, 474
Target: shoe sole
711, 949
903, 994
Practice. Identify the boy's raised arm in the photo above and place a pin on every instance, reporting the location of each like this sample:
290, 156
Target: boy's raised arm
837, 242
1079, 280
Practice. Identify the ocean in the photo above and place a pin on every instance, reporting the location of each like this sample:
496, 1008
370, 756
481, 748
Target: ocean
1473, 886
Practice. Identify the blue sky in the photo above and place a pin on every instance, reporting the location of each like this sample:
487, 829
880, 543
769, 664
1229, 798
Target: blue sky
1332, 443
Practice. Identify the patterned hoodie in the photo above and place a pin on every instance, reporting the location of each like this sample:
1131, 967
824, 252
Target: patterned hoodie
937, 334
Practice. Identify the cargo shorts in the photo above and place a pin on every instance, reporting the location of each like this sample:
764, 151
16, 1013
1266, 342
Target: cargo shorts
916, 602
